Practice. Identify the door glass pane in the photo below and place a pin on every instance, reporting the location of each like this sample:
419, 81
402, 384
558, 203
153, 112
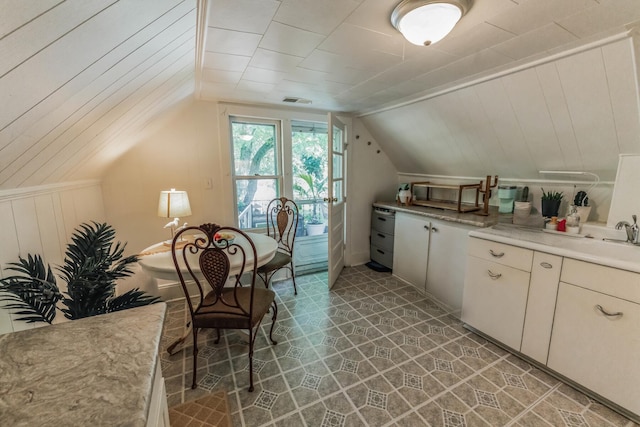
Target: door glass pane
337, 166
310, 169
253, 196
337, 191
337, 139
254, 150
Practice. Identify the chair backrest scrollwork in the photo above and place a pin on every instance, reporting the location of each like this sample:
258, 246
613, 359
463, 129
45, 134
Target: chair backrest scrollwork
216, 256
282, 223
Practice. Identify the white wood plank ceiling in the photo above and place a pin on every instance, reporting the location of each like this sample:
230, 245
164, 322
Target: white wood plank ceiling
578, 112
78, 78
344, 55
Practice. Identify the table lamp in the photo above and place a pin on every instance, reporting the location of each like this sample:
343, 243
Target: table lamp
173, 204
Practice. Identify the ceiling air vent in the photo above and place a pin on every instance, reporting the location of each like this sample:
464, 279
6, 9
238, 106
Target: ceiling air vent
296, 100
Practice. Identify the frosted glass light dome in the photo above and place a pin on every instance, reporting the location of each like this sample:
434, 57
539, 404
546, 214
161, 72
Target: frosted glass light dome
427, 22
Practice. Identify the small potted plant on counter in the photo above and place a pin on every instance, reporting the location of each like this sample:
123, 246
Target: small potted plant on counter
581, 202
551, 203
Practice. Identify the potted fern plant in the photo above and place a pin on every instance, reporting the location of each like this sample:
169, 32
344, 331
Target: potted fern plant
92, 264
551, 203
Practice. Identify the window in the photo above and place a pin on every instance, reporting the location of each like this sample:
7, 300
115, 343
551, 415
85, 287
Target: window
257, 172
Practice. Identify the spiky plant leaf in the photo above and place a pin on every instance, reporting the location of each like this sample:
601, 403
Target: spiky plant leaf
91, 267
33, 293
133, 298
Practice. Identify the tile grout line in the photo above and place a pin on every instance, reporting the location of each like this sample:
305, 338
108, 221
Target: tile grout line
381, 373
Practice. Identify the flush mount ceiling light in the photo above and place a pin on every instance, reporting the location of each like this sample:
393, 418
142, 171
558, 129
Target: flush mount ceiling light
424, 22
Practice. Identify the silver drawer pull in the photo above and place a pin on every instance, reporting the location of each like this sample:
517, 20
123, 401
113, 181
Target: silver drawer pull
606, 313
495, 255
546, 265
493, 275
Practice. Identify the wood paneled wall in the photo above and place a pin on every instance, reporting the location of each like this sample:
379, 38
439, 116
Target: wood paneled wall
577, 111
80, 78
40, 220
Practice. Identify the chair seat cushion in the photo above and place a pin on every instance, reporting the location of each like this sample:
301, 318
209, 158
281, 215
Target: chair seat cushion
218, 315
278, 261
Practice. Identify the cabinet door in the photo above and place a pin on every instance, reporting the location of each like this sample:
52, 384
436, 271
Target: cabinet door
495, 298
411, 249
598, 351
543, 289
447, 257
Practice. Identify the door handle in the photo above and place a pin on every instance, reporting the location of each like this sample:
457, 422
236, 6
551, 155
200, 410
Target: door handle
545, 265
435, 230
325, 199
335, 199
382, 236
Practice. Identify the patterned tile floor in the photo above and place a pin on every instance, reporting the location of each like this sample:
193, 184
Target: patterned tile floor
372, 352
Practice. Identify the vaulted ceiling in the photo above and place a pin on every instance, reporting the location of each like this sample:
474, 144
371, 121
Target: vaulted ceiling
81, 79
345, 55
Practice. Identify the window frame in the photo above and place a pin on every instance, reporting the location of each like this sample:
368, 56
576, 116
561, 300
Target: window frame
278, 158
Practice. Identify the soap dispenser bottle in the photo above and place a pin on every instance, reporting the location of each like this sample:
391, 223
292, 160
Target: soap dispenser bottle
573, 221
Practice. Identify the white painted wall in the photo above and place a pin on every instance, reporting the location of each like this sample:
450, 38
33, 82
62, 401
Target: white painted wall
194, 147
182, 154
372, 178
40, 220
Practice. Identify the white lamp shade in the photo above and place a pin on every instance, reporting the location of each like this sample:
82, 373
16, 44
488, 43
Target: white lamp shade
174, 204
424, 22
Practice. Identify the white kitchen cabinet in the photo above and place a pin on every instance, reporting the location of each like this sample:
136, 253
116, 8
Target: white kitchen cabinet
495, 294
595, 340
543, 289
158, 408
429, 254
411, 249
445, 265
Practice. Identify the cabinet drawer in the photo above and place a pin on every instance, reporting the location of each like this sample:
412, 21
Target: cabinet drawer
382, 222
597, 351
382, 256
382, 240
500, 253
495, 299
607, 280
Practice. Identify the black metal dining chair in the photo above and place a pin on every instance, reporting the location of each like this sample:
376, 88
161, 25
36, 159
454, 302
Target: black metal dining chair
282, 222
214, 257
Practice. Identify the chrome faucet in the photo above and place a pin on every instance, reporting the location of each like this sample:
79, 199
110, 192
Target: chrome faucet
633, 231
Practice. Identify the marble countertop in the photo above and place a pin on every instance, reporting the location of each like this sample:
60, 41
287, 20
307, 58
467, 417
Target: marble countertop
620, 255
96, 371
468, 218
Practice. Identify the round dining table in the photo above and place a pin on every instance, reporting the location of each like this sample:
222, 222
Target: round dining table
156, 260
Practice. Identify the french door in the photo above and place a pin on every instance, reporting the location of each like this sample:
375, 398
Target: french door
336, 196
